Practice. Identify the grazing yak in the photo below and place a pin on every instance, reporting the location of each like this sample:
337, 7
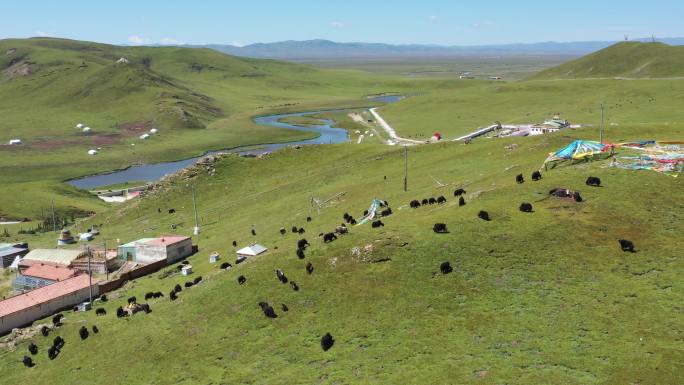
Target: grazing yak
197, 280
253, 232
171, 211
283, 231
149, 295
83, 332
483, 215
526, 207
577, 197
414, 204
300, 253
536, 176
329, 237
309, 268
441, 199
377, 224
172, 295
33, 349
327, 342
132, 300
432, 201
519, 179
440, 228
308, 219
294, 285
188, 284
284, 307
386, 213
626, 245
341, 229
459, 192
45, 331
593, 181
294, 229
301, 230
302, 243
100, 311
103, 298
120, 313
177, 288
461, 201
281, 276
58, 342
146, 308
445, 268
95, 329
234, 243
57, 319
424, 202
28, 362
268, 310
53, 352
225, 265
365, 213
158, 294
242, 280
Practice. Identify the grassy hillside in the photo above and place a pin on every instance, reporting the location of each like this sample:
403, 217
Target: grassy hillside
199, 99
624, 60
536, 298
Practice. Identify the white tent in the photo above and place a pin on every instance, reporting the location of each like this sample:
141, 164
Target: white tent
86, 129
154, 131
14, 141
251, 250
80, 125
144, 136
92, 152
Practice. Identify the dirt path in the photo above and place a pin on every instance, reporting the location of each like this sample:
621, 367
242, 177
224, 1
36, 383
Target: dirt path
394, 138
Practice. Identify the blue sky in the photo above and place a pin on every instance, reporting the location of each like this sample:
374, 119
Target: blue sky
395, 21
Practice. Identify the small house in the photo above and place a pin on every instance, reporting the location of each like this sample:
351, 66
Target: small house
186, 270
148, 250
250, 251
214, 257
39, 274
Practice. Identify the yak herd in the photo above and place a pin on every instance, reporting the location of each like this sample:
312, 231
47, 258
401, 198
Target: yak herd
327, 341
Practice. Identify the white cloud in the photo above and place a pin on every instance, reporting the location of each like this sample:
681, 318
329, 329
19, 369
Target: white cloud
337, 24
238, 43
170, 41
138, 40
43, 34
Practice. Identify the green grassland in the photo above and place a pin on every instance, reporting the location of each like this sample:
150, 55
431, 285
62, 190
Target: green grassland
546, 297
624, 60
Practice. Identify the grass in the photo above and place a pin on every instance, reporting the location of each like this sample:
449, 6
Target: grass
535, 298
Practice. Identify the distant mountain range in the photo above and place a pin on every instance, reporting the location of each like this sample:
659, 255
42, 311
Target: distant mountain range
326, 49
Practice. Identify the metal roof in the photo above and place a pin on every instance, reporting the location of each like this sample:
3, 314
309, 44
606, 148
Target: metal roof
10, 251
47, 271
43, 294
158, 241
59, 256
252, 250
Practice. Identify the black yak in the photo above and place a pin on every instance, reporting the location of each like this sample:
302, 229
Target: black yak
441, 199
197, 280
58, 342
146, 308
284, 307
414, 204
177, 288
103, 298
120, 313
352, 221
225, 265
309, 268
308, 219
45, 331
432, 201
83, 332
440, 228
294, 285
171, 211
536, 176
53, 352
526, 207
626, 245
95, 329
300, 253
132, 300
253, 232
483, 215
445, 268
341, 229
241, 280
28, 362
100, 311
149, 295
577, 197
329, 237
424, 202
387, 212
281, 276
234, 243
33, 349
294, 229
268, 310
461, 201
188, 284
172, 295
519, 179
377, 224
301, 230
283, 231
459, 192
57, 319
302, 244
158, 294
365, 213
327, 342
593, 181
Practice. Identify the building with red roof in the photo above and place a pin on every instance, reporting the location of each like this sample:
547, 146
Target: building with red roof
23, 309
36, 274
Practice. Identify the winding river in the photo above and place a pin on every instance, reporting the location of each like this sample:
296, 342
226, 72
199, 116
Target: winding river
328, 134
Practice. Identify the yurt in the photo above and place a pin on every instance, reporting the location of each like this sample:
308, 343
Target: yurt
65, 238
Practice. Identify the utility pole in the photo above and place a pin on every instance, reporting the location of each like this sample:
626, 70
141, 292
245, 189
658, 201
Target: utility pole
54, 221
90, 275
601, 128
196, 230
105, 259
405, 168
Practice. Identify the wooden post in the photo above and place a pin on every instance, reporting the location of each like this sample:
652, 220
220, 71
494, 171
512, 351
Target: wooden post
405, 168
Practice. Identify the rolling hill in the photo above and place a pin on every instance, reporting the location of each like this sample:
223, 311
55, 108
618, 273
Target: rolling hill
623, 60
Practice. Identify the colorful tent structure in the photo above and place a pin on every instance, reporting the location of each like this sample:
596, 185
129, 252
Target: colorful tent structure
577, 151
371, 211
663, 157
